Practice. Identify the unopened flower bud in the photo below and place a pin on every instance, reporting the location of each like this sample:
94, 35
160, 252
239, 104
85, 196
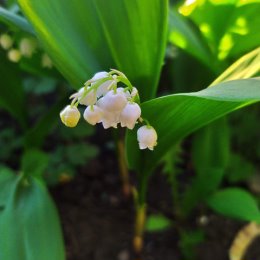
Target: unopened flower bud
70, 116
93, 114
129, 115
27, 47
46, 61
147, 137
14, 55
89, 99
6, 41
114, 101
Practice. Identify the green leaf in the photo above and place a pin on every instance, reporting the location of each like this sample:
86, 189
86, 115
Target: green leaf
34, 162
16, 22
129, 35
12, 94
245, 67
157, 223
227, 37
236, 203
7, 180
185, 36
29, 224
176, 116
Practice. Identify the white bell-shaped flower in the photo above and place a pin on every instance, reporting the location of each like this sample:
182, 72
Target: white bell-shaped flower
147, 137
6, 41
129, 115
110, 119
99, 75
126, 93
113, 101
70, 116
14, 55
93, 114
89, 99
104, 87
27, 47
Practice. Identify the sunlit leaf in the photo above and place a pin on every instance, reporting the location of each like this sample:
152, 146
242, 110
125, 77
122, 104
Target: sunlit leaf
245, 67
185, 36
228, 37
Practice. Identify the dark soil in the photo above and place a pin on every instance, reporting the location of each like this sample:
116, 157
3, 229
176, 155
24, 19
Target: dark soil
98, 221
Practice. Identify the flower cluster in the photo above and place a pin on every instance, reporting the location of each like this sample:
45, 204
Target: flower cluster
25, 47
111, 105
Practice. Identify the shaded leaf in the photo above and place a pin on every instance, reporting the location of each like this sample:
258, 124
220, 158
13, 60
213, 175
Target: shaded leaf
7, 180
29, 224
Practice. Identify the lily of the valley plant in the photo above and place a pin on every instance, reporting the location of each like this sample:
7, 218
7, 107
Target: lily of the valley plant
110, 105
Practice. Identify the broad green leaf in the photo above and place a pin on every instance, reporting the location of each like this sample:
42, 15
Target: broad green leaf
236, 203
129, 35
7, 180
157, 223
34, 162
176, 116
12, 94
16, 22
29, 224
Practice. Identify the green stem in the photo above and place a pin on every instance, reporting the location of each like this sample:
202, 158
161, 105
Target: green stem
140, 217
122, 164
